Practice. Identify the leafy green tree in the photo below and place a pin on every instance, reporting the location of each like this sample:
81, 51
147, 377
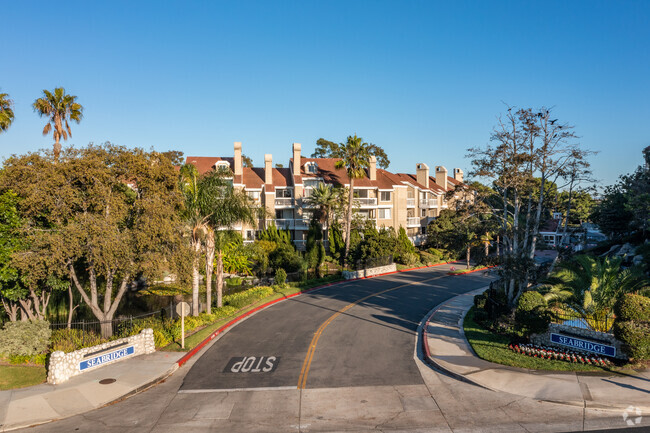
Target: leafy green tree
247, 161
336, 242
10, 289
405, 251
273, 234
59, 108
6, 112
590, 286
612, 214
582, 206
103, 215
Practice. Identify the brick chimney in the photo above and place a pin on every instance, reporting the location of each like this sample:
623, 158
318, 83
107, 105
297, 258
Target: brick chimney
422, 172
372, 168
238, 162
458, 174
441, 177
296, 159
268, 169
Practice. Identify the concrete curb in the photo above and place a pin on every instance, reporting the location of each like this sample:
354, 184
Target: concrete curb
234, 321
437, 366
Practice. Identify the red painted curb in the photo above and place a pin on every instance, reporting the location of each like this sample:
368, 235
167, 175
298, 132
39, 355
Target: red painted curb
200, 346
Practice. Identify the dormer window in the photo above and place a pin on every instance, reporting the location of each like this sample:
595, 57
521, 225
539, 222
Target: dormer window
311, 167
222, 165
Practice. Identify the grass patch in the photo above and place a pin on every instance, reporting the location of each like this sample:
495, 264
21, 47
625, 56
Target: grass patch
494, 348
191, 341
20, 376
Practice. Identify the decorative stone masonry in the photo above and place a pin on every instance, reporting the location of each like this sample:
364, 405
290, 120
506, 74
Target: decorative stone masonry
571, 331
65, 365
350, 275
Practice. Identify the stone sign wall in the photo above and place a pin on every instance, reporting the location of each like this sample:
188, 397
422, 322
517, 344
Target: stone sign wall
350, 275
65, 365
571, 331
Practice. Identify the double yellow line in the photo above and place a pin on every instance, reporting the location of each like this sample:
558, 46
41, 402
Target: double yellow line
302, 380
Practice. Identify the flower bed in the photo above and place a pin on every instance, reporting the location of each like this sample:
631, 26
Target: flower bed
543, 352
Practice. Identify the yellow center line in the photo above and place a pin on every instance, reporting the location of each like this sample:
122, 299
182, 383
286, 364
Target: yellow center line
302, 380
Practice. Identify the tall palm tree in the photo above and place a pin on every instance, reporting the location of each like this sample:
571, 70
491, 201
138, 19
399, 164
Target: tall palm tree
212, 206
355, 158
590, 286
59, 108
6, 112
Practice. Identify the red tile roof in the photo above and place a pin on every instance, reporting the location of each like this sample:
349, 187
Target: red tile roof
206, 163
326, 169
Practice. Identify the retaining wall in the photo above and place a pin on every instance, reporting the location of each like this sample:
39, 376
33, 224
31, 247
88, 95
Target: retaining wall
589, 334
351, 275
63, 365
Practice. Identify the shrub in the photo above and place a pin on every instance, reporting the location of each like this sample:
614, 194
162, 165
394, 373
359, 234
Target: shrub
69, 340
480, 301
635, 337
480, 316
436, 253
633, 307
285, 257
280, 277
242, 299
530, 300
23, 359
25, 338
233, 282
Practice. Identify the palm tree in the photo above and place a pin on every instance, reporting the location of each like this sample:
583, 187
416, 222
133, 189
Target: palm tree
355, 156
6, 112
59, 108
590, 286
212, 206
325, 199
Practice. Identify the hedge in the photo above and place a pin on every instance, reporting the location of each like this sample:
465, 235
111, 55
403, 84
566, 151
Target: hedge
25, 338
633, 307
635, 337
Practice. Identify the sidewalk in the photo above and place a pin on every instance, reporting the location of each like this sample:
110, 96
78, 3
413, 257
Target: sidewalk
42, 403
446, 348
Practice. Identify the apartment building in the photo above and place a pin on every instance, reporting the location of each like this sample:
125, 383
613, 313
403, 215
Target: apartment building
388, 199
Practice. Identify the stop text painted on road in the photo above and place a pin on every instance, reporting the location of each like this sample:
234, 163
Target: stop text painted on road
252, 364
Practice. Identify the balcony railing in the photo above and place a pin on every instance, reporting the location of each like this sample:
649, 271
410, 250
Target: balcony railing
418, 239
284, 223
410, 202
300, 245
301, 224
413, 222
366, 201
283, 201
433, 202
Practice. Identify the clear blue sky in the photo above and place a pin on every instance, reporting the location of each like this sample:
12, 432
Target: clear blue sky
423, 79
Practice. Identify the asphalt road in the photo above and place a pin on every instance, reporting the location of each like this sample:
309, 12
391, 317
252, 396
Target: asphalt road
368, 344
338, 359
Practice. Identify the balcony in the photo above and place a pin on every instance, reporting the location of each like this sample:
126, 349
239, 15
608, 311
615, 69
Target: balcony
410, 202
284, 202
418, 239
300, 245
413, 222
365, 201
433, 202
284, 223
301, 224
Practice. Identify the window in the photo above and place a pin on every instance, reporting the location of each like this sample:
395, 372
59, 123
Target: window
384, 196
423, 212
254, 195
250, 235
384, 214
311, 167
283, 193
222, 164
311, 183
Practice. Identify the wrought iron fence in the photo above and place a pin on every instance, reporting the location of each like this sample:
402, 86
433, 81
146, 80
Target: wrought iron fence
576, 320
373, 262
120, 327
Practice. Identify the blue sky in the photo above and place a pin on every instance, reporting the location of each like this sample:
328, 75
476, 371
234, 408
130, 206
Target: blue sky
423, 79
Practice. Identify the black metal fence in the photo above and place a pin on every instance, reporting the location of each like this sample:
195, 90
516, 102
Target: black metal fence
373, 262
576, 320
120, 326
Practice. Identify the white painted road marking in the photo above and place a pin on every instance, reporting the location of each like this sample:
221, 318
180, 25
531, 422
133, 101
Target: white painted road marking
252, 364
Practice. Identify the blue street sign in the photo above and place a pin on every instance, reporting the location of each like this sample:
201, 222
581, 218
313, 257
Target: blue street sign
102, 359
586, 345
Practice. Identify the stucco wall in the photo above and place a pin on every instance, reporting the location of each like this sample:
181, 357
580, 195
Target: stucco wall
350, 275
588, 334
